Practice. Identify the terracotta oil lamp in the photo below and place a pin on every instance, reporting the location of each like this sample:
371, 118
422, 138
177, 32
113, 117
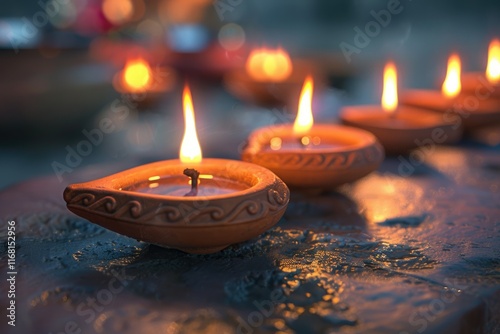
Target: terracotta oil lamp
269, 77
485, 85
399, 128
314, 156
457, 106
148, 84
192, 204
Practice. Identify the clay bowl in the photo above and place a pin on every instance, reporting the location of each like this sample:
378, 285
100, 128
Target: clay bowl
353, 154
470, 109
409, 129
477, 84
200, 224
241, 85
164, 79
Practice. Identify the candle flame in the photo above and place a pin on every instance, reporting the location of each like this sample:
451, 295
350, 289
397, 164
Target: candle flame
137, 74
190, 151
452, 85
269, 65
493, 67
390, 90
304, 121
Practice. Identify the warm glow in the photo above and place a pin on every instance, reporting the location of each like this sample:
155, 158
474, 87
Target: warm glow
304, 121
493, 68
137, 74
452, 85
190, 148
390, 90
275, 143
305, 141
118, 11
201, 176
269, 65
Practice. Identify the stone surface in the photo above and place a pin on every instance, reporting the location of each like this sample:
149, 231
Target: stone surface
389, 253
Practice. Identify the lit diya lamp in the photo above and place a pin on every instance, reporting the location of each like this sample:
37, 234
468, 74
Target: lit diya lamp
141, 81
487, 84
268, 65
192, 204
269, 77
471, 109
315, 156
400, 128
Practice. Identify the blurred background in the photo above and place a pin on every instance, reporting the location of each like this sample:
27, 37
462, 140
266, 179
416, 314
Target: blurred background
99, 82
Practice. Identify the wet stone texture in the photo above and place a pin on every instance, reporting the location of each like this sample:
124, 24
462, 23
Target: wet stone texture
387, 254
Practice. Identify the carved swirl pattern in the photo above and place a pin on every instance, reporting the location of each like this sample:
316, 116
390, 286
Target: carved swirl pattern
279, 196
86, 199
165, 212
121, 208
109, 203
321, 161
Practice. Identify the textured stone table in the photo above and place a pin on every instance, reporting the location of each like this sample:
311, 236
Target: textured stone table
418, 253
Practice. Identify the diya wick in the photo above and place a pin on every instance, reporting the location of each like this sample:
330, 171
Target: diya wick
306, 155
472, 109
399, 128
194, 175
227, 201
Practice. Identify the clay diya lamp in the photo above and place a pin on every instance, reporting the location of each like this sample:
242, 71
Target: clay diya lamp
192, 204
268, 78
485, 85
470, 109
312, 156
400, 128
145, 84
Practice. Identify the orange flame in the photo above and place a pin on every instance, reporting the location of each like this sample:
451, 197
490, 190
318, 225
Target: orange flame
493, 67
269, 65
304, 121
452, 84
390, 91
137, 74
190, 151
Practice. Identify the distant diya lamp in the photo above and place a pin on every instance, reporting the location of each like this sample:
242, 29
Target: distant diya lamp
487, 84
268, 65
269, 76
400, 128
314, 156
469, 108
144, 83
195, 205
